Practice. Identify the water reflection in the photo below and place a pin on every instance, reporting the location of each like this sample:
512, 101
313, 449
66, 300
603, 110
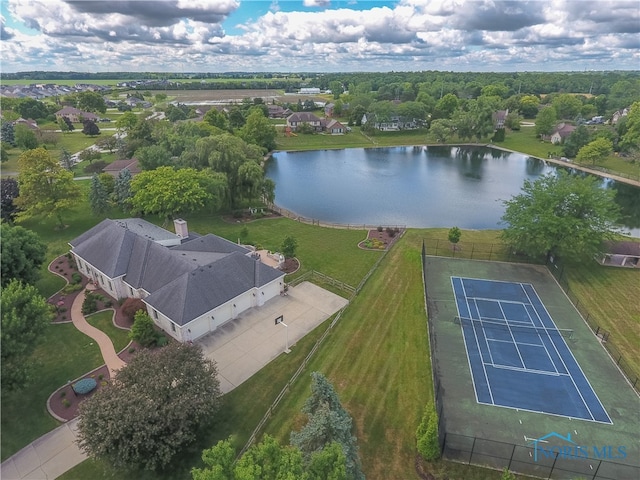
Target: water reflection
437, 186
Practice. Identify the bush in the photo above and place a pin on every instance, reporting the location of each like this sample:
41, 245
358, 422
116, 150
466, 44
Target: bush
162, 340
95, 167
131, 306
380, 228
85, 386
72, 287
507, 475
427, 435
143, 330
90, 304
76, 278
66, 403
391, 232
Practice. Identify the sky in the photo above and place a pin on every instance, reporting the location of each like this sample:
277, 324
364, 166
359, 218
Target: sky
319, 35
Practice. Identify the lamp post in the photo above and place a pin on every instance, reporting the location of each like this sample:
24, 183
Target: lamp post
286, 348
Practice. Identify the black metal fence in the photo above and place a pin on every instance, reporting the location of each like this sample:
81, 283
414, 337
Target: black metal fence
523, 459
558, 271
475, 251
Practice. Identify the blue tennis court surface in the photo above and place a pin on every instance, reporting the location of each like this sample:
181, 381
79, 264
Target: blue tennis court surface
517, 356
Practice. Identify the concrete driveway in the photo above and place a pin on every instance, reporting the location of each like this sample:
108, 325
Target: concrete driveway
245, 345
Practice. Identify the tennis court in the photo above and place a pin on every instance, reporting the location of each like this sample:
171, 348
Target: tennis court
517, 356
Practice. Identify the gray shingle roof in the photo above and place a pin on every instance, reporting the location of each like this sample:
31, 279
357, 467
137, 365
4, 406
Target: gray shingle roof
195, 293
184, 281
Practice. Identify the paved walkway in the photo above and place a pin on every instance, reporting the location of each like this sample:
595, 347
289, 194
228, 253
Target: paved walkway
56, 452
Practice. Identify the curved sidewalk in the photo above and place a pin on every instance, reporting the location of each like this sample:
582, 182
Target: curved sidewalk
56, 452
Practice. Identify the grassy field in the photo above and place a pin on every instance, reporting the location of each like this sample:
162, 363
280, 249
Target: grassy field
104, 321
526, 141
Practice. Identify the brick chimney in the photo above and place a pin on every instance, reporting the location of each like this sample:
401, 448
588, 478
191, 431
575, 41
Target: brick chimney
181, 228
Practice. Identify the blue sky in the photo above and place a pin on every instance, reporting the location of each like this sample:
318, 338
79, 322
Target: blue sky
320, 35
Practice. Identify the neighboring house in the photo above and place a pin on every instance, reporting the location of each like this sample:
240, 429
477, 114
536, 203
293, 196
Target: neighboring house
75, 115
618, 115
334, 127
621, 254
29, 123
328, 109
561, 132
114, 168
276, 111
309, 91
295, 120
499, 118
394, 124
191, 284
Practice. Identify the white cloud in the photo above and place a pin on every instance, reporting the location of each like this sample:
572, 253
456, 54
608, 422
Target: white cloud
410, 35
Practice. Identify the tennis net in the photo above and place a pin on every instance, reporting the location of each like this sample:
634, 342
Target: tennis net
510, 327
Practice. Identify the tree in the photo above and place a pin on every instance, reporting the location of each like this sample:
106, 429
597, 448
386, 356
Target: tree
108, 143
595, 151
25, 137
441, 129
454, 236
108, 182
566, 106
574, 142
155, 406
545, 121
7, 133
446, 106
23, 253
427, 434
91, 102
170, 192
89, 155
70, 126
259, 131
127, 121
66, 160
90, 128
289, 245
216, 118
98, 198
565, 216
25, 317
9, 191
328, 422
45, 187
4, 152
31, 108
122, 189
142, 330
631, 138
62, 125
153, 156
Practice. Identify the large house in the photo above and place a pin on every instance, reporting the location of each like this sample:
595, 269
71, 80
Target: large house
561, 133
75, 115
296, 120
191, 284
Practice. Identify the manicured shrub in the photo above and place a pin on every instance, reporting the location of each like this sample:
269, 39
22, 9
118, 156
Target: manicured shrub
162, 340
427, 434
380, 228
72, 287
76, 277
143, 330
90, 304
66, 403
63, 394
85, 386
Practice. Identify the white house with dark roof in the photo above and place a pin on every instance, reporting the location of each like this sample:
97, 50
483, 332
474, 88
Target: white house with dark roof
190, 283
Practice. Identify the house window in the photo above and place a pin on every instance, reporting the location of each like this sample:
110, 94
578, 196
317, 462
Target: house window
131, 291
110, 287
155, 314
173, 327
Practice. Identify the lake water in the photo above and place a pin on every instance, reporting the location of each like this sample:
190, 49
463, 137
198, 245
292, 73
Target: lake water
412, 186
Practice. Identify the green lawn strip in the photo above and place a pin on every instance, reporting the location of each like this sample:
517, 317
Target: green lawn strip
377, 357
104, 321
526, 141
610, 296
332, 251
64, 354
617, 165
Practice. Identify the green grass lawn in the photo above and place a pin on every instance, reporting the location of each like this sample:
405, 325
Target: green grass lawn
64, 354
104, 321
526, 141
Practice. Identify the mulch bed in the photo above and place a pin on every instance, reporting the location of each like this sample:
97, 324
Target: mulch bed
246, 216
290, 265
65, 268
384, 239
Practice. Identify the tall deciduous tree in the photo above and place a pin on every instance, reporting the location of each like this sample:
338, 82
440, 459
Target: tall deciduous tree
154, 407
98, 198
441, 129
259, 131
91, 101
25, 316
90, 128
631, 138
574, 142
45, 187
25, 137
595, 151
168, 192
23, 253
66, 160
545, 121
328, 422
564, 216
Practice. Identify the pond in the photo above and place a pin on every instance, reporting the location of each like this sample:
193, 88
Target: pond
413, 186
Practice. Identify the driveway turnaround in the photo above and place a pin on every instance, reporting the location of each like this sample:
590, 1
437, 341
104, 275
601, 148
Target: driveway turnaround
244, 345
